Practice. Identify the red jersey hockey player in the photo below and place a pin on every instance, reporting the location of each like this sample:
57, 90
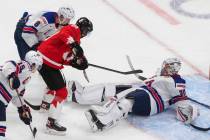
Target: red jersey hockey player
63, 48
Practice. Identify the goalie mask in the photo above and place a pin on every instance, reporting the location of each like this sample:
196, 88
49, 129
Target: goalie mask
170, 66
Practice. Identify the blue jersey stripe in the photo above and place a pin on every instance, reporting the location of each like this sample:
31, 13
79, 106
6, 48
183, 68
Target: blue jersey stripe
156, 97
5, 94
50, 17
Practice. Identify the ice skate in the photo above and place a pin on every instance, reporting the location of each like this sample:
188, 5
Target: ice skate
53, 128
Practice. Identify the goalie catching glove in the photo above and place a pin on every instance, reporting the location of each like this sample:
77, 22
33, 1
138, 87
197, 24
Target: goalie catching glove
25, 114
187, 113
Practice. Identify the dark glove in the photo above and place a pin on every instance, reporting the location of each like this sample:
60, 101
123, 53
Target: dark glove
79, 63
77, 50
25, 114
14, 81
21, 23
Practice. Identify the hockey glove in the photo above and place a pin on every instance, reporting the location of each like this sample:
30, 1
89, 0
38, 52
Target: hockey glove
77, 50
79, 63
187, 113
25, 114
21, 23
14, 81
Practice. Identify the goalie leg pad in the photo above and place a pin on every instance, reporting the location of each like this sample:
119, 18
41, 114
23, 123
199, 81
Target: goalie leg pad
109, 119
93, 121
90, 95
72, 88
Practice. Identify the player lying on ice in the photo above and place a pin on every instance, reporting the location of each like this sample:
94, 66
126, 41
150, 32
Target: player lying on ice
150, 97
13, 78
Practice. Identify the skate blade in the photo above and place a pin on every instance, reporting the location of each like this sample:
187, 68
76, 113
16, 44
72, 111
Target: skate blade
54, 132
93, 126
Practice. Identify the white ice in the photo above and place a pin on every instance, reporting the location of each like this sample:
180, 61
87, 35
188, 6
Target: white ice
121, 28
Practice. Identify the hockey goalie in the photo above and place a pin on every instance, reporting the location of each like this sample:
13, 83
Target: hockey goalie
111, 103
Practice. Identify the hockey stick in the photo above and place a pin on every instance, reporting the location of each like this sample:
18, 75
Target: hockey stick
86, 77
132, 68
108, 69
34, 107
200, 128
34, 130
202, 104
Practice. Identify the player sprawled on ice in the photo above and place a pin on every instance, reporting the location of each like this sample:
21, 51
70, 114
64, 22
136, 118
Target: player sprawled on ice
31, 30
63, 48
150, 97
13, 78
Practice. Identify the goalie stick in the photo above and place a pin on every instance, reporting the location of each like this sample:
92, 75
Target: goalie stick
132, 68
197, 102
200, 128
144, 78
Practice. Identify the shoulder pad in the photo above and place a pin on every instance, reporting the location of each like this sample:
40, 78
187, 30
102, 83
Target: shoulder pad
50, 17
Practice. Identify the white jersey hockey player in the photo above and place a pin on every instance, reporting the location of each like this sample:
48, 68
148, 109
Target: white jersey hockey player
13, 78
152, 96
33, 29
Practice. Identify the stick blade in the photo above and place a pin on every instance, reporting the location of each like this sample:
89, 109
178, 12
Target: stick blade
34, 107
34, 132
133, 72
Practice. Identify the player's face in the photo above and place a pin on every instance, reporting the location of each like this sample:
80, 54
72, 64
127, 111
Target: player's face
63, 21
33, 68
84, 32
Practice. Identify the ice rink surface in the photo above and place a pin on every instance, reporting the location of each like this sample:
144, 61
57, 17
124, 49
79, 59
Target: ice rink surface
148, 31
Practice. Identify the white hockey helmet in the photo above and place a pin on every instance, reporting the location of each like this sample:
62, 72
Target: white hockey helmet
170, 66
65, 14
34, 59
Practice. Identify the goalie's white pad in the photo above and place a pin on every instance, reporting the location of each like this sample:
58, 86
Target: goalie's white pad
117, 111
91, 94
72, 87
106, 107
187, 113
